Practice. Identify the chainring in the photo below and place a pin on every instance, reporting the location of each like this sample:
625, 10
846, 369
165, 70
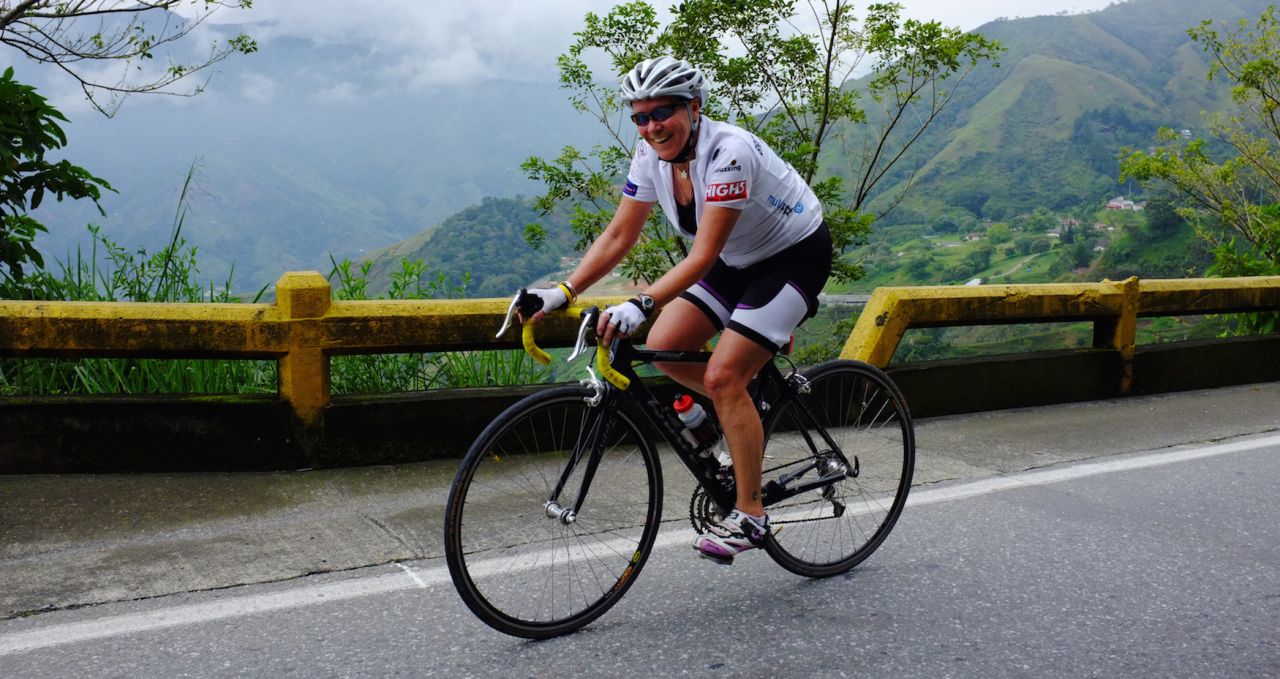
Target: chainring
704, 513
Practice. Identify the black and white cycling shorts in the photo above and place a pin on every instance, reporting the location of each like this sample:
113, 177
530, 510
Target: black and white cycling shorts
767, 300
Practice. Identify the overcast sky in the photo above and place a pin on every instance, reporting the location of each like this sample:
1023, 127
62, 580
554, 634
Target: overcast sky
443, 41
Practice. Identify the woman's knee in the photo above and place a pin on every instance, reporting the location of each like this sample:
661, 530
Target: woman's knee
723, 378
680, 327
736, 361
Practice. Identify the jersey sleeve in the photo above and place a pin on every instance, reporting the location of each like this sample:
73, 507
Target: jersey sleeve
730, 173
639, 183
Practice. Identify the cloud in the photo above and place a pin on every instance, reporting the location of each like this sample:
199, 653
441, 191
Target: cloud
973, 13
257, 87
424, 43
431, 42
338, 92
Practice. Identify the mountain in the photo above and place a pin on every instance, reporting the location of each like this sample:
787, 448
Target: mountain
1043, 129
293, 167
484, 243
290, 169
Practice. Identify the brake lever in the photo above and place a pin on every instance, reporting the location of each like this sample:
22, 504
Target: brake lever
589, 318
580, 347
511, 313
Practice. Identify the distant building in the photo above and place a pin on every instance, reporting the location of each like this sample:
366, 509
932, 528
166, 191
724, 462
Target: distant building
1122, 203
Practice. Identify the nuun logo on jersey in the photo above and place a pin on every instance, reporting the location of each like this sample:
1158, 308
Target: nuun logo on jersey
784, 208
726, 191
630, 188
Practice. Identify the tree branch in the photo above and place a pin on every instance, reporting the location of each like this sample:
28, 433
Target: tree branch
16, 13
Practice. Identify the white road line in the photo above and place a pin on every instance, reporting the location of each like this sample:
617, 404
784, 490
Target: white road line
413, 575
1041, 477
131, 623
48, 636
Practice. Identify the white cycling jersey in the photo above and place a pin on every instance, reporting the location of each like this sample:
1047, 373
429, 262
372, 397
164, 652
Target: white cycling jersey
733, 169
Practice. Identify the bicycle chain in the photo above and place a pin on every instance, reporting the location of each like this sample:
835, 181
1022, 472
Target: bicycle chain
703, 511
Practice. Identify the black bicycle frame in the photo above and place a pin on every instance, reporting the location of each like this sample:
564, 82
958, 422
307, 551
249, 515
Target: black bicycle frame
770, 380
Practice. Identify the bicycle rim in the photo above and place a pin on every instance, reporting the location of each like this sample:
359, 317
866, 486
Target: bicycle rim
532, 575
822, 533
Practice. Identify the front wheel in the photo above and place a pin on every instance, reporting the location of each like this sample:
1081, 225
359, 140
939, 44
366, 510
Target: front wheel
520, 563
832, 528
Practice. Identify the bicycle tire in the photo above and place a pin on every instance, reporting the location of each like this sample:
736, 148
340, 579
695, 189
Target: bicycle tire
865, 413
523, 572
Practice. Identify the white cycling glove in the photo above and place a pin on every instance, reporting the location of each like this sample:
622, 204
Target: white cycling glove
626, 317
553, 298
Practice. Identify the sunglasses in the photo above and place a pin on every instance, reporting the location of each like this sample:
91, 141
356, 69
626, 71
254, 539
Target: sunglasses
657, 115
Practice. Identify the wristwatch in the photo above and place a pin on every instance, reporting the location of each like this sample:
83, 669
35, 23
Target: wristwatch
645, 303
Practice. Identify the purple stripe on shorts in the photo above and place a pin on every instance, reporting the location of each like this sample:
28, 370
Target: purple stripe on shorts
720, 298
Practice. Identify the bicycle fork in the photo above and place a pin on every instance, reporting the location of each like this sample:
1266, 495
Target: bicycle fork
590, 444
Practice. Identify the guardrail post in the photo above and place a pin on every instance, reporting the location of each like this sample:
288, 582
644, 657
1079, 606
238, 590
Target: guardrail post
304, 369
1120, 333
879, 329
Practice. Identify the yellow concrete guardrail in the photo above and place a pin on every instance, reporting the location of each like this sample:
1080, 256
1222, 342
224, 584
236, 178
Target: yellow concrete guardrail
304, 328
1113, 307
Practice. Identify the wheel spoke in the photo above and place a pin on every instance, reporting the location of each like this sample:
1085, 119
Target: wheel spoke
533, 575
865, 417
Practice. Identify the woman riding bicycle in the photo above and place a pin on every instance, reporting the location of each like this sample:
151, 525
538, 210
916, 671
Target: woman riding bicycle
761, 253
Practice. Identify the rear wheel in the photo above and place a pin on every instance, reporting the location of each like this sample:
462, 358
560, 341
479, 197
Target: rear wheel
522, 564
828, 530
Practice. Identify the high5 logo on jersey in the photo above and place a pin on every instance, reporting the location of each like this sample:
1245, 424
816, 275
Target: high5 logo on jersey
726, 191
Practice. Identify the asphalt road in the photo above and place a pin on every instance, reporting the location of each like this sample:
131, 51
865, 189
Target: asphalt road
1163, 563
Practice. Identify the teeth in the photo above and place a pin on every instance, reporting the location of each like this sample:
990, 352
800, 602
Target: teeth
662, 140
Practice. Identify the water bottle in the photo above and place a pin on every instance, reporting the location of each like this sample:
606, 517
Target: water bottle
700, 431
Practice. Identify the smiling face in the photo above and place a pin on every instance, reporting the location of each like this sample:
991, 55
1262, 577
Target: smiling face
667, 137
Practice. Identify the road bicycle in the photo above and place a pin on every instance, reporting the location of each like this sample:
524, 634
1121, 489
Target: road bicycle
557, 504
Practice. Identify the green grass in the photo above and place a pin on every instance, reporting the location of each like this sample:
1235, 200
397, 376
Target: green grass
109, 272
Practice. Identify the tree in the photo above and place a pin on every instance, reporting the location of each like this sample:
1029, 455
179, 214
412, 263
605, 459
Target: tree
1233, 201
979, 258
918, 266
788, 86
76, 35
1162, 216
945, 224
28, 129
999, 233
1080, 254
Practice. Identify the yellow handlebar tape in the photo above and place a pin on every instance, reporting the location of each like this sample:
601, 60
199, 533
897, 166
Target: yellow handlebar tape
531, 347
610, 375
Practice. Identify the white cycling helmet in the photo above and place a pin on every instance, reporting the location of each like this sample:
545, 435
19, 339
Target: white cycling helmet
662, 77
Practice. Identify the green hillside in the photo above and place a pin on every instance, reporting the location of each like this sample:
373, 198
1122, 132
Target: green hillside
285, 181
483, 242
1043, 129
1026, 145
